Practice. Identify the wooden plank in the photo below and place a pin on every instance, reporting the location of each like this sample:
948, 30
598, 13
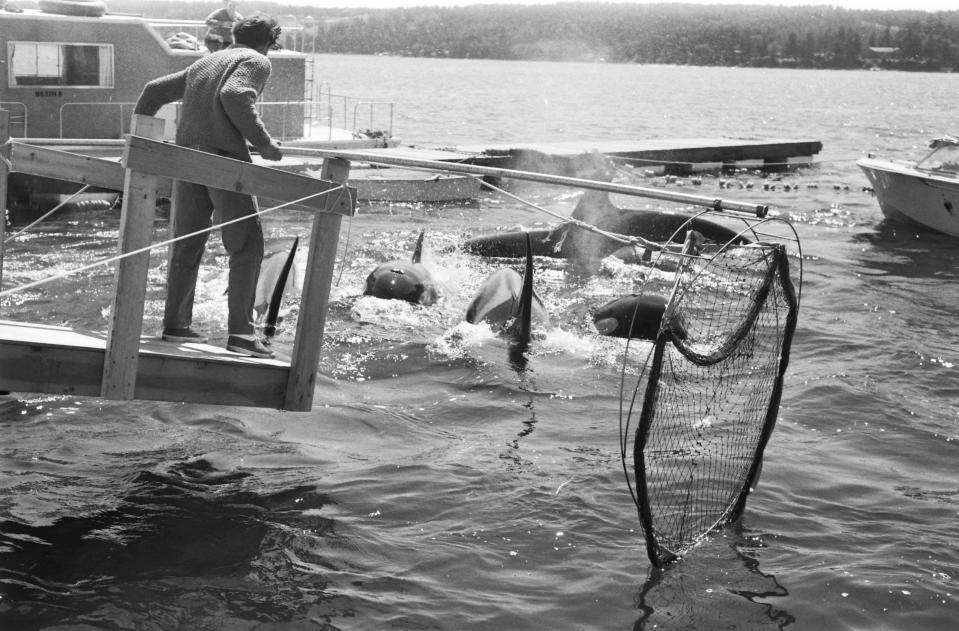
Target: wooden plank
203, 381
66, 166
58, 370
180, 163
129, 291
59, 360
52, 336
316, 295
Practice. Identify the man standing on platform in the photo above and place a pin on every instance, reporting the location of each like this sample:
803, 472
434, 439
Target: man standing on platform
218, 115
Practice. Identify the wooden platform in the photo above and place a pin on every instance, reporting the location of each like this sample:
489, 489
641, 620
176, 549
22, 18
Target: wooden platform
60, 360
122, 363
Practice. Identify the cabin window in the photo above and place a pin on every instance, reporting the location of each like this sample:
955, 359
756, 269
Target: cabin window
77, 65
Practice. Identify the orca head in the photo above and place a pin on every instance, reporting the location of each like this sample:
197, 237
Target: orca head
394, 282
637, 316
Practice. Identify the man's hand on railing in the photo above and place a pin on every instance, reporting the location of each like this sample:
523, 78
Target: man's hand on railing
271, 152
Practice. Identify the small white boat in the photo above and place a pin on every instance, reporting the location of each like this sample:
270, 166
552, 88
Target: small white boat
925, 192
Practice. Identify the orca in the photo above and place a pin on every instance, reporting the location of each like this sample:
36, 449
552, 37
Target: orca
637, 316
507, 302
404, 280
568, 241
595, 209
512, 244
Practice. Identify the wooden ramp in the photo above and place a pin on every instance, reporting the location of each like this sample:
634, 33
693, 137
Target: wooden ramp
60, 360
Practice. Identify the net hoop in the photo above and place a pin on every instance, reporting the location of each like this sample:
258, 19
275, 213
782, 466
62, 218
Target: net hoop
771, 237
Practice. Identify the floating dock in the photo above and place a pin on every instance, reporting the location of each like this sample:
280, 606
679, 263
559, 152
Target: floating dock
677, 155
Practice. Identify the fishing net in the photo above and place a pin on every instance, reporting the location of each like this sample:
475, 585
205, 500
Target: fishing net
708, 394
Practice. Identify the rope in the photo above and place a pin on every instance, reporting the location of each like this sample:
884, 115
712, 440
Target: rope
346, 250
45, 215
112, 259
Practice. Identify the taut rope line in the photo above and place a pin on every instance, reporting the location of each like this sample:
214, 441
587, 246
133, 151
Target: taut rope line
113, 259
45, 215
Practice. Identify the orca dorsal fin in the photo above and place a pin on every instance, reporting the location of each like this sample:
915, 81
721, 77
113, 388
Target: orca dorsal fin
418, 249
525, 314
273, 311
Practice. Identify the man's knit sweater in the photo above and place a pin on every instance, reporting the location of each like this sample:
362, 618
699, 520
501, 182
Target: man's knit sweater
218, 94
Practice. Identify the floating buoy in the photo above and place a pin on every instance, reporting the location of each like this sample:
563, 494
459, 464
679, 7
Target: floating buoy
86, 205
81, 8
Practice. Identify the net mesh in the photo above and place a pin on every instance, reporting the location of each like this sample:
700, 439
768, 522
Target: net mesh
710, 393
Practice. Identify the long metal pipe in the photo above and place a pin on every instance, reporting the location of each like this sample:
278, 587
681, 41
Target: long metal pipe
712, 203
716, 204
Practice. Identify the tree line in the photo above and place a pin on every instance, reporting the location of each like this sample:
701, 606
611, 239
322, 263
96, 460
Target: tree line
678, 34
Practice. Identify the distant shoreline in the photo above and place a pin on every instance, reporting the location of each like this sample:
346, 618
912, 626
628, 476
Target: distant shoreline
811, 37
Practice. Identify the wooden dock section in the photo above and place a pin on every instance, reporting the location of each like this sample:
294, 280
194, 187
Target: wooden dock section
62, 360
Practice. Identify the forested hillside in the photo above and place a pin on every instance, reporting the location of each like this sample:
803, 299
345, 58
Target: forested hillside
807, 37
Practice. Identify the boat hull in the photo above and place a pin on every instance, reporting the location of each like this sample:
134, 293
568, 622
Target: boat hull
905, 193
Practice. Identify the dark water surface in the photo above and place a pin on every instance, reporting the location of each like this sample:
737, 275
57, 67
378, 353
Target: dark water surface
432, 487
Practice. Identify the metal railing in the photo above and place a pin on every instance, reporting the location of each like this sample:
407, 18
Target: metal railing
124, 110
18, 117
372, 106
286, 120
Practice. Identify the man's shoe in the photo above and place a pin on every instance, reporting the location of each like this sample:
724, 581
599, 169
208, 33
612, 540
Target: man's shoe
253, 348
183, 335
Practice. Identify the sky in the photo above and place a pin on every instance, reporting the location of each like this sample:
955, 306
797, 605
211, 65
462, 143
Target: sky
922, 5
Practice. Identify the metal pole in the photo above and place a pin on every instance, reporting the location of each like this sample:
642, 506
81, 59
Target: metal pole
717, 204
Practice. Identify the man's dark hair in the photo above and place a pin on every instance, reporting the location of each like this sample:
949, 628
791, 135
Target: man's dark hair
257, 30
